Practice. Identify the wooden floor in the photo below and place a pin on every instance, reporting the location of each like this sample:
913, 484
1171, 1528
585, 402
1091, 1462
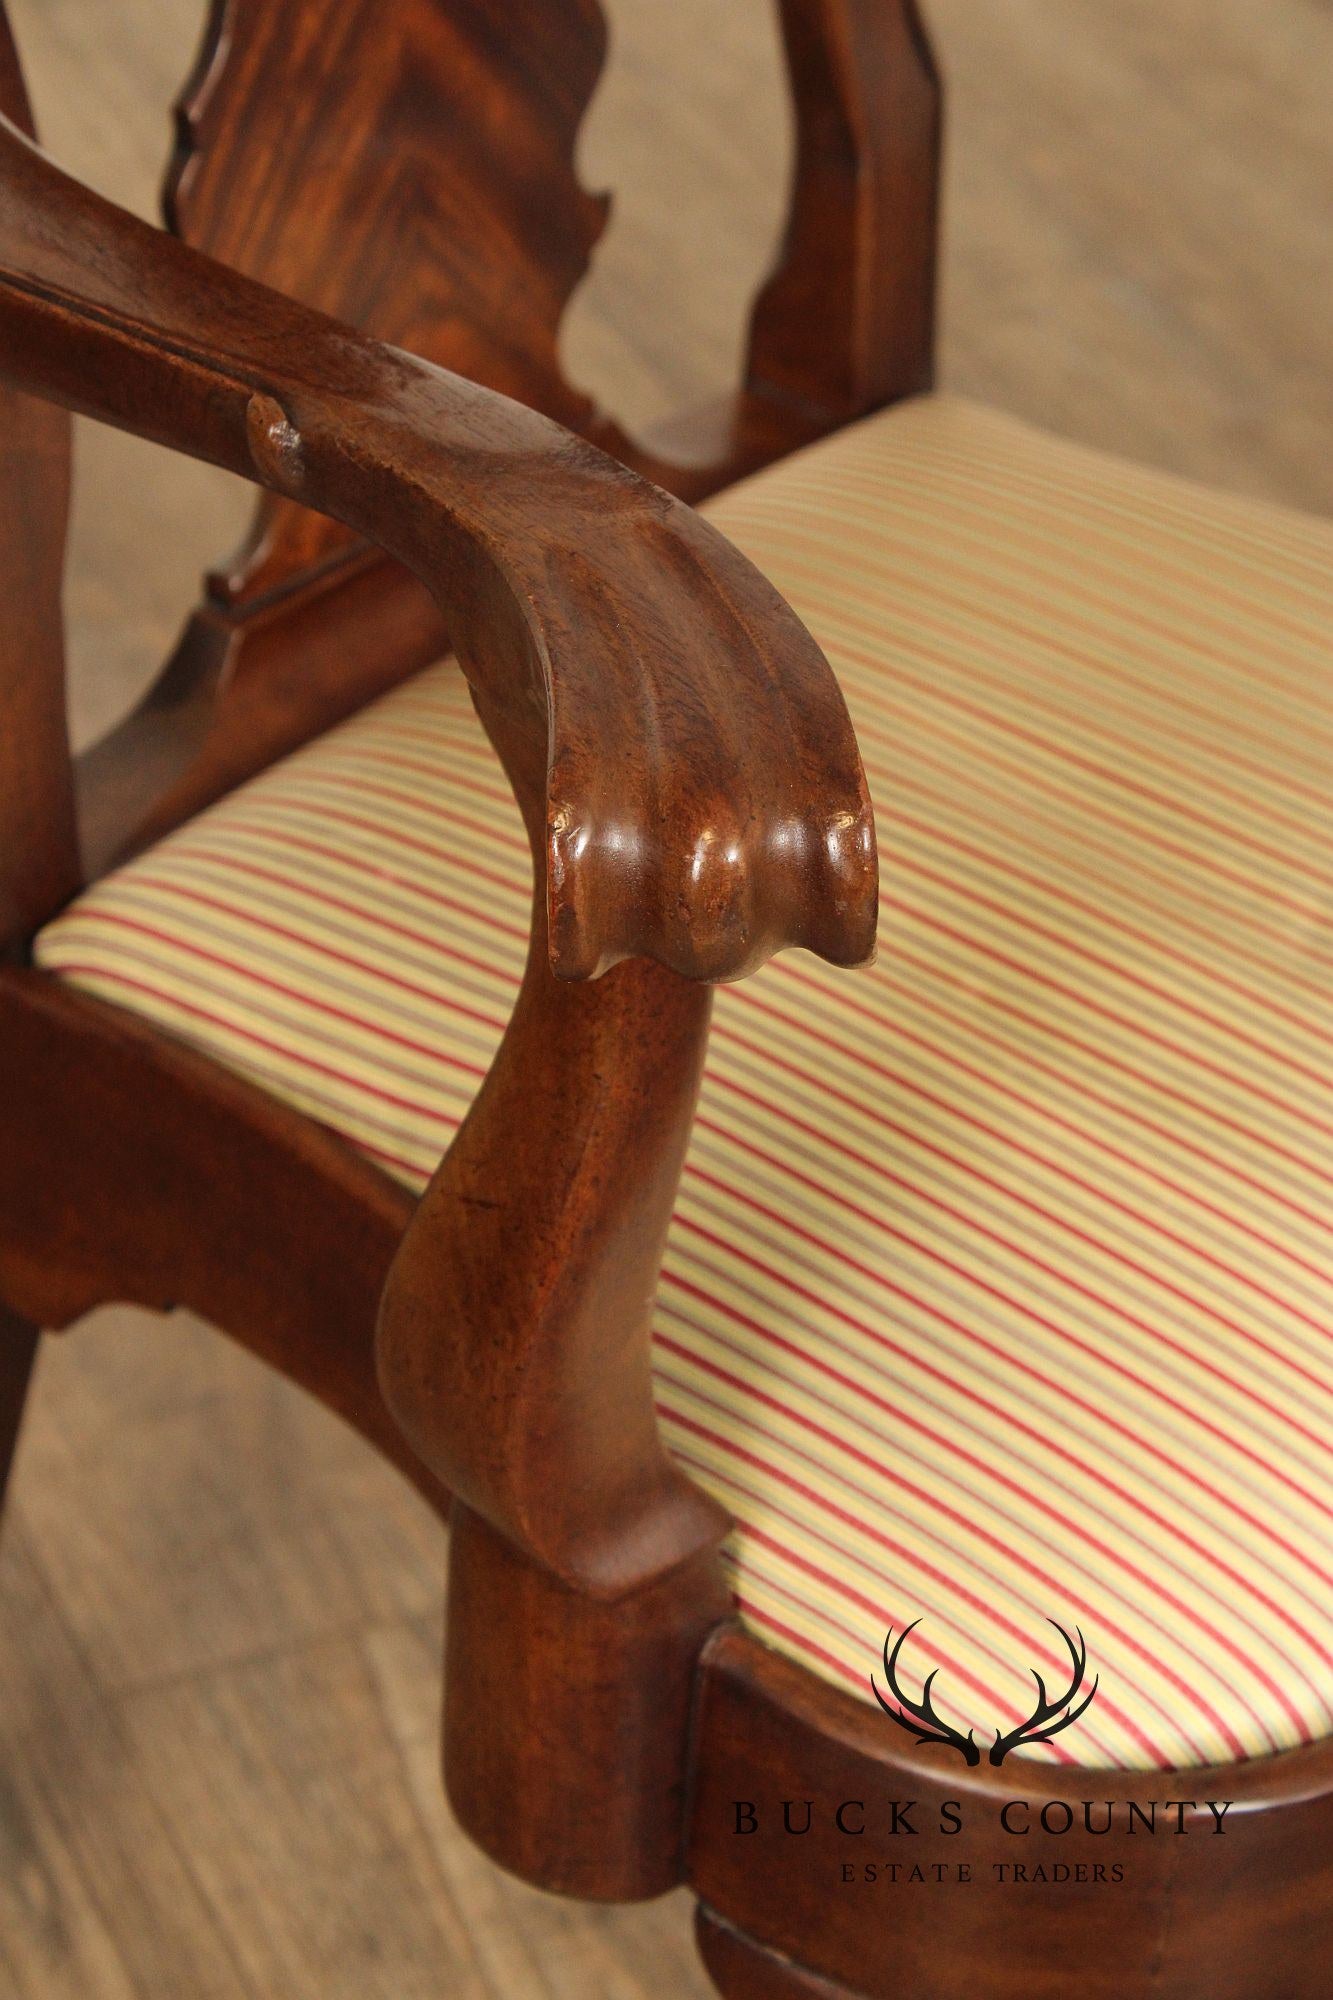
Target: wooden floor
219, 1617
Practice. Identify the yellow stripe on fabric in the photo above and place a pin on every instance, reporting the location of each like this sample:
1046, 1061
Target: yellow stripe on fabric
999, 1285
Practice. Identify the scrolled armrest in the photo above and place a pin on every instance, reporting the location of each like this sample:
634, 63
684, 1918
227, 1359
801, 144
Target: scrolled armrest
675, 737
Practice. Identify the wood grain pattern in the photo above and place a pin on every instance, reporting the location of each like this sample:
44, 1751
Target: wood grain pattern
846, 322
1243, 1916
524, 1284
744, 1970
576, 1776
133, 1920
515, 1351
666, 834
662, 717
462, 236
105, 1202
38, 855
466, 230
472, 143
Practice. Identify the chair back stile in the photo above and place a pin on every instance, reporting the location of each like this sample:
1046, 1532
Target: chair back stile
38, 852
428, 195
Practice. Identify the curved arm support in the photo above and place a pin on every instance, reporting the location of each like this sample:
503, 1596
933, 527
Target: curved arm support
673, 729
514, 1341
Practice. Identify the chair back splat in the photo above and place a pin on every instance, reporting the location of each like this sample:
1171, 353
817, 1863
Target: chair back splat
427, 194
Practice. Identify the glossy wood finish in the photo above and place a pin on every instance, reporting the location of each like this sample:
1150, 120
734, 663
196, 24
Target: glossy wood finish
651, 701
524, 1285
1247, 1915
473, 146
406, 248
693, 795
523, 1291
38, 854
743, 1970
602, 618
846, 322
242, 688
272, 1229
567, 1718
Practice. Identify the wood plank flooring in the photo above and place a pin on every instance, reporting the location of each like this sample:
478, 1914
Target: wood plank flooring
219, 1616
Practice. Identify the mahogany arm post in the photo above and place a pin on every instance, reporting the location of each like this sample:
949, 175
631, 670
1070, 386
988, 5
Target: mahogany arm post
679, 747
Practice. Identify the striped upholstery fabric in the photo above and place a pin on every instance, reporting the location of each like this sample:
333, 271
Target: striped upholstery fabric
1001, 1281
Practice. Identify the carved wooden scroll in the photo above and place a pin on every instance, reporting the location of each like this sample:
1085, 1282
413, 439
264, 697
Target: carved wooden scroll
408, 166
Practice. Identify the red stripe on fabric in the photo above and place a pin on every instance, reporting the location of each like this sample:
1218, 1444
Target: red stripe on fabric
1024, 1493
1089, 807
1155, 1333
949, 1584
801, 1604
271, 985
1239, 535
1014, 919
1010, 1362
789, 1641
1089, 721
1262, 1002
795, 1643
979, 1033
374, 753
753, 1535
438, 807
1131, 882
1024, 692
1065, 1336
837, 1586
282, 1049
969, 1171
214, 858
1004, 477
870, 729
417, 1176
992, 1083
374, 969
923, 1493
944, 1580
1047, 1031
1187, 1058
998, 1410
929, 1646
939, 1507
414, 843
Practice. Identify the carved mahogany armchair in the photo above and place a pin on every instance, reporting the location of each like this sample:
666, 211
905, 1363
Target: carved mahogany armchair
799, 1392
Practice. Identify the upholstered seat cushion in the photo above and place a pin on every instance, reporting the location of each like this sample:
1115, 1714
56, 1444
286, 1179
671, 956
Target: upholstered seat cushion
1000, 1285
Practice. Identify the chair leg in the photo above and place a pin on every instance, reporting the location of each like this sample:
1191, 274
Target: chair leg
741, 1969
18, 1351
